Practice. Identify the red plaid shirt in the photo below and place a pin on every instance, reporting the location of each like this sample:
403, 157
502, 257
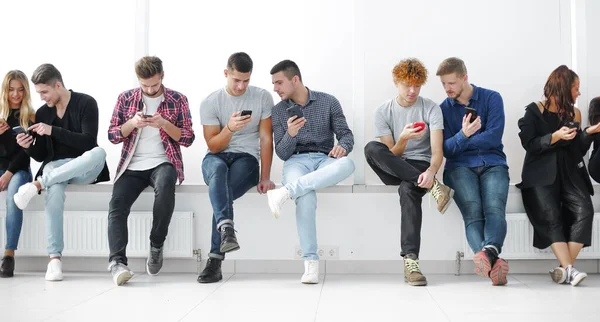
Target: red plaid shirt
173, 108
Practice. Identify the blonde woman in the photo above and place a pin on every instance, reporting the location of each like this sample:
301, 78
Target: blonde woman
15, 110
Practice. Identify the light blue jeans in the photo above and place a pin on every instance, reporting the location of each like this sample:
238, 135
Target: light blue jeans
302, 175
14, 215
57, 174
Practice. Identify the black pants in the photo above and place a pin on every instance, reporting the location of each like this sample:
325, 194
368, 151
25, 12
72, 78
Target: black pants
560, 212
393, 170
126, 190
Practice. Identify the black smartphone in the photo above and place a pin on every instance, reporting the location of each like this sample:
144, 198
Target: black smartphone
573, 125
295, 110
246, 112
146, 116
472, 111
18, 129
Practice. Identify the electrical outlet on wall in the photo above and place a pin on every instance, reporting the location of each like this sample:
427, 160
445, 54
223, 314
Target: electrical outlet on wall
325, 252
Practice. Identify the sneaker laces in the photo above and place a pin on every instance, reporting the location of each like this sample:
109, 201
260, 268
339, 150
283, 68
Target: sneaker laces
412, 265
573, 272
155, 255
435, 190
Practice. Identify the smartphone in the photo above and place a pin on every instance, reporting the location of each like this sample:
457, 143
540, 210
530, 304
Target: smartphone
419, 126
246, 112
19, 129
295, 110
472, 111
146, 116
573, 125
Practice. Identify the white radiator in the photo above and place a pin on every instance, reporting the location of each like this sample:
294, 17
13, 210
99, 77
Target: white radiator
85, 234
519, 241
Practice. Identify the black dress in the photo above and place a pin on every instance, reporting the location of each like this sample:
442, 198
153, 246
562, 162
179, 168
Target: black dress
563, 210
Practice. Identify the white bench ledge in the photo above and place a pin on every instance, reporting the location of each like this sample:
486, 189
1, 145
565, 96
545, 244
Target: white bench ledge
200, 188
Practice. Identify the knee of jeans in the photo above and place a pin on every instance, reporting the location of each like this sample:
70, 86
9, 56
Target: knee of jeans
347, 164
98, 153
213, 170
309, 200
471, 211
408, 188
372, 147
118, 206
56, 193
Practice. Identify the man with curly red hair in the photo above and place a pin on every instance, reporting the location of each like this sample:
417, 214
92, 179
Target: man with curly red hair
410, 128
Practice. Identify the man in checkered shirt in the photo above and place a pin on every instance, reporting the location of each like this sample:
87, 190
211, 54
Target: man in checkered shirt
304, 124
152, 122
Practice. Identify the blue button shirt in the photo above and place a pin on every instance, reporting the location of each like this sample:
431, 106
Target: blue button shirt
484, 148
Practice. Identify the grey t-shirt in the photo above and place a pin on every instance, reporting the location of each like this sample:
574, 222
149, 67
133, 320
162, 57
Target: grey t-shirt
216, 109
391, 118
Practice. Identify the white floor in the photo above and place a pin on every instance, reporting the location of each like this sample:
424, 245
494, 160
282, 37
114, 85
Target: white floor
253, 297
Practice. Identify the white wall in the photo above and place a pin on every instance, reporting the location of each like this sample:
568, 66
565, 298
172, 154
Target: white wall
347, 50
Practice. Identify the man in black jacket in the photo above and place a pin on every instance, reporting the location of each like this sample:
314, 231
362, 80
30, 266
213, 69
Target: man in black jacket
64, 139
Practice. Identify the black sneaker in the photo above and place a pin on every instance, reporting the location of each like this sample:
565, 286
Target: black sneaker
212, 271
7, 268
229, 242
155, 261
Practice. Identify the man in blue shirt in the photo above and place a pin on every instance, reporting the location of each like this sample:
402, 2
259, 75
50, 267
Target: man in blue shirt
476, 166
304, 125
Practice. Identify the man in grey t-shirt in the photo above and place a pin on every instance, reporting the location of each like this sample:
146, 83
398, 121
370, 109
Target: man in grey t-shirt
410, 153
238, 131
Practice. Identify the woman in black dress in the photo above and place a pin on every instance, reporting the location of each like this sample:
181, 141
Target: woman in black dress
555, 185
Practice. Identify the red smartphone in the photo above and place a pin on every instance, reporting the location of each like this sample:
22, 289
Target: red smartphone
419, 126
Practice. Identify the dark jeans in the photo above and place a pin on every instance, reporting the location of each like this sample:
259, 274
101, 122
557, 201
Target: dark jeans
228, 176
394, 170
126, 190
480, 194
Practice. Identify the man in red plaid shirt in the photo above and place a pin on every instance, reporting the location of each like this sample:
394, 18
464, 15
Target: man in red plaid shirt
152, 122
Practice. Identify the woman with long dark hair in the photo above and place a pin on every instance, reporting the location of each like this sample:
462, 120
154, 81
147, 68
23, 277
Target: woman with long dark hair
555, 185
15, 110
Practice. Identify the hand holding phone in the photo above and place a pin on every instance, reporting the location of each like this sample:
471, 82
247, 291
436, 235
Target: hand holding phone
472, 111
295, 110
246, 112
19, 129
419, 126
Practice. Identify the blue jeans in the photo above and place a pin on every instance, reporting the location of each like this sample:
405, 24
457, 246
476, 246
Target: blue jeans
228, 176
480, 194
56, 175
302, 175
14, 215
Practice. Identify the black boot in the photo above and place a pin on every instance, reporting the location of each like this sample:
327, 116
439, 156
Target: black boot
212, 271
7, 267
229, 242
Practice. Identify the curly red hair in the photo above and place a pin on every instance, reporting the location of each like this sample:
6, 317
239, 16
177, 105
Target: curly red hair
411, 72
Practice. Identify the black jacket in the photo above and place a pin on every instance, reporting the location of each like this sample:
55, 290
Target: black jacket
80, 131
540, 164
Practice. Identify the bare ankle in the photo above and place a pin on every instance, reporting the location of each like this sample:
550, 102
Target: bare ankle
38, 185
9, 252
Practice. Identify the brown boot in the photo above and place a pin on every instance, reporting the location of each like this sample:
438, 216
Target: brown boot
412, 272
443, 195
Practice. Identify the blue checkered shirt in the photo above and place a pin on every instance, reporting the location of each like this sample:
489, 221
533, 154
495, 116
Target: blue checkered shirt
324, 118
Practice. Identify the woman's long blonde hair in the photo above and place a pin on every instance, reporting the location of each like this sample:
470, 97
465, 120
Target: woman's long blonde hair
27, 112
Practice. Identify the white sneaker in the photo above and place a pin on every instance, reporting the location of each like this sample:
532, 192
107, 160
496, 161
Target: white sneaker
559, 275
311, 272
120, 273
574, 276
24, 195
277, 197
54, 272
